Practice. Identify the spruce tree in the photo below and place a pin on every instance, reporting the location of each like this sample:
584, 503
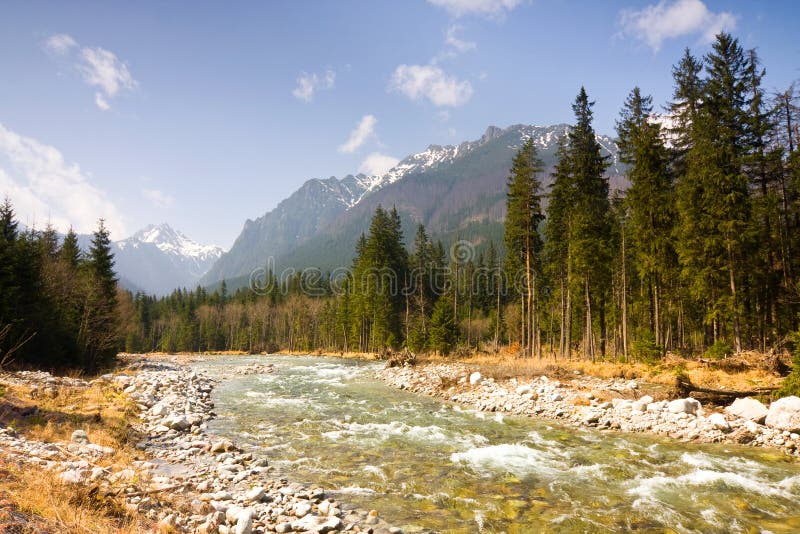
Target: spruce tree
522, 239
558, 241
591, 230
649, 203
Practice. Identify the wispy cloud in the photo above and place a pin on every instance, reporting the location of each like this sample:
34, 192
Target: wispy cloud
431, 82
377, 164
99, 68
363, 131
485, 8
45, 188
452, 39
669, 19
454, 45
158, 198
60, 44
308, 84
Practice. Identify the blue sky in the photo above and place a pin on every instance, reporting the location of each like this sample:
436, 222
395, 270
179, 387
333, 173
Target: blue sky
204, 114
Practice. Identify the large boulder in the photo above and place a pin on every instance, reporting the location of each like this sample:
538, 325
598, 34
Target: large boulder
784, 414
748, 408
688, 405
475, 378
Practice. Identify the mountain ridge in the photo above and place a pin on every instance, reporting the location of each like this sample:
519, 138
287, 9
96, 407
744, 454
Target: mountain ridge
449, 188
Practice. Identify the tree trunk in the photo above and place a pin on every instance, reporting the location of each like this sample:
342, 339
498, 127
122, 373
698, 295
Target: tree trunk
624, 301
737, 335
588, 345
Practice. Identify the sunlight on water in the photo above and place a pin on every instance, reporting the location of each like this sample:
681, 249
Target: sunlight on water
425, 464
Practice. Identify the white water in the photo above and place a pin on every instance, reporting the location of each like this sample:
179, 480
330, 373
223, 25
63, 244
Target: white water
425, 464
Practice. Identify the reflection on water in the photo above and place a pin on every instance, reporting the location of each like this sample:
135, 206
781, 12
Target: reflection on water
426, 464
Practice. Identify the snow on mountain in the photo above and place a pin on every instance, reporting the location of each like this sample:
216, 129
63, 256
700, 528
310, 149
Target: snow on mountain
158, 259
171, 241
443, 186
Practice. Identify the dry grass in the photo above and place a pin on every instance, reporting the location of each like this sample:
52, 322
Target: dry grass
103, 412
67, 508
745, 375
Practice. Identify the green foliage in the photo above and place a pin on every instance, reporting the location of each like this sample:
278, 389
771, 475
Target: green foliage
719, 350
57, 310
791, 384
443, 333
646, 350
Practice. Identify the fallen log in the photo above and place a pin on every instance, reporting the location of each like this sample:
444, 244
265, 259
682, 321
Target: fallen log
684, 387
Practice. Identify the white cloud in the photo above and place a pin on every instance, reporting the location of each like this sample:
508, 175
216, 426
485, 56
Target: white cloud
44, 187
431, 82
60, 44
308, 84
377, 164
158, 198
486, 8
363, 131
101, 102
99, 67
668, 19
453, 41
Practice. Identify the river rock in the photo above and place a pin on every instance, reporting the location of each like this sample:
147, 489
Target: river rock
315, 523
79, 436
255, 494
244, 522
719, 422
72, 476
524, 389
475, 378
748, 408
177, 422
302, 509
687, 405
784, 414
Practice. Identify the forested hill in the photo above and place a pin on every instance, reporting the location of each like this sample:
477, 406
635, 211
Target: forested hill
455, 191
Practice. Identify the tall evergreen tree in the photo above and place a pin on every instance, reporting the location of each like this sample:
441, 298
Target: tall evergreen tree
591, 230
523, 242
649, 202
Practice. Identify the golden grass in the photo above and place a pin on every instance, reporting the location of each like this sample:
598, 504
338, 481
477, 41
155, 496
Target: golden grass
505, 364
103, 412
68, 508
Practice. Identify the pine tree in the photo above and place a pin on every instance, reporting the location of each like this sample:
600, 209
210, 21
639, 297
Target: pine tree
649, 202
101, 263
589, 243
558, 240
443, 332
522, 239
70, 252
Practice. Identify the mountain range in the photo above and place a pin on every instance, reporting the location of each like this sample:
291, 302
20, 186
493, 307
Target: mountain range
456, 191
158, 259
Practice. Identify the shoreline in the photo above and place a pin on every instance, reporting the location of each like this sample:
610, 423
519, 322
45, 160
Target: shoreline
591, 402
190, 481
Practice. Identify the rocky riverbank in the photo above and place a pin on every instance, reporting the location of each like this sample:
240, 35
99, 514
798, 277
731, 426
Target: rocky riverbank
613, 404
189, 480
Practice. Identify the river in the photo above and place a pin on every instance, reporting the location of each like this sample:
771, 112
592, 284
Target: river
425, 464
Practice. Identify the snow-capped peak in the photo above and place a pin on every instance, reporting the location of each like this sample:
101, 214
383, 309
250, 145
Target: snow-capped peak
171, 241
